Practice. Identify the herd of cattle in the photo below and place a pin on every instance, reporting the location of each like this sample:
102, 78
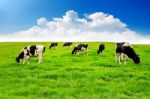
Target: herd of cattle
124, 50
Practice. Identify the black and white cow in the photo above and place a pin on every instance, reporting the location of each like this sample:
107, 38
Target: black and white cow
54, 44
80, 47
123, 51
33, 50
100, 49
67, 44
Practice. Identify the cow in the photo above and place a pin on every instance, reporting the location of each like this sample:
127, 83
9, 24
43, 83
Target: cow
80, 47
100, 49
33, 50
123, 51
54, 44
67, 44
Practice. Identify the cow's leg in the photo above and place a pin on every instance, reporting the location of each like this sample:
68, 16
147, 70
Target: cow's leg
77, 53
24, 60
119, 58
40, 58
28, 59
125, 59
122, 57
100, 52
86, 52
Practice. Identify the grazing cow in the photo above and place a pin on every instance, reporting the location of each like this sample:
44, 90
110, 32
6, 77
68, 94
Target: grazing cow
33, 50
80, 47
101, 48
67, 44
125, 50
55, 44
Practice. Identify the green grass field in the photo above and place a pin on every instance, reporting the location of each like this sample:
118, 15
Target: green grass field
66, 76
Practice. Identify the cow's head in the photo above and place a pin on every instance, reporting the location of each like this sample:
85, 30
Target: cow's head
17, 60
136, 59
86, 46
129, 51
21, 56
74, 50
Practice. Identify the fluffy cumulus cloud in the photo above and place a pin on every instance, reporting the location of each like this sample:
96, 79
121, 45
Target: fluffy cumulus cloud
97, 26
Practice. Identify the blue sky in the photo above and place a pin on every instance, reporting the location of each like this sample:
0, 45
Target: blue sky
16, 15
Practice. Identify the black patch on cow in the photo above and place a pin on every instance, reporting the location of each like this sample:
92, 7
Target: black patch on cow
53, 45
101, 48
67, 44
32, 49
28, 53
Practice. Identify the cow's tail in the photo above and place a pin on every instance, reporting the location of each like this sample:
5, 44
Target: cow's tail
44, 49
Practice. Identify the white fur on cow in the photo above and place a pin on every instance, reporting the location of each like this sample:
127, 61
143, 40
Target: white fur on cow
33, 50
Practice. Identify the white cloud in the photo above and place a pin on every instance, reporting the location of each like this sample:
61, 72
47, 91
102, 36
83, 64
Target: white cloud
42, 21
94, 27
